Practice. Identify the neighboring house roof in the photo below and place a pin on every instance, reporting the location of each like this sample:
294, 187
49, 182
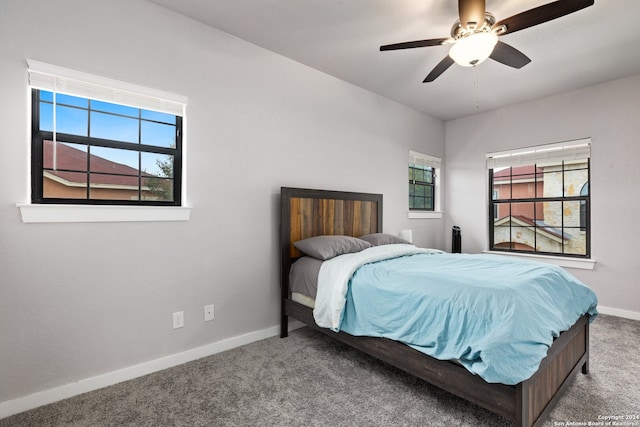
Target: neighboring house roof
541, 226
103, 172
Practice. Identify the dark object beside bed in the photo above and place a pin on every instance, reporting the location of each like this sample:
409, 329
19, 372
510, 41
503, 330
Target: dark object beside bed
307, 213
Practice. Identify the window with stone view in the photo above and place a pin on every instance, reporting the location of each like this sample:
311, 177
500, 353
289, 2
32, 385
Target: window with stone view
541, 207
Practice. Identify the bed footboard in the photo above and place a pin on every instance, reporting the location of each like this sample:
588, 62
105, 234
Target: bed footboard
537, 396
527, 403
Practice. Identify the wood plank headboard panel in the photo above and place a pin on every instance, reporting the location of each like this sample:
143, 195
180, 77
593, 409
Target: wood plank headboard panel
316, 217
307, 213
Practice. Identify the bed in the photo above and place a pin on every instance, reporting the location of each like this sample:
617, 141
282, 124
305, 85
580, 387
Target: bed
307, 213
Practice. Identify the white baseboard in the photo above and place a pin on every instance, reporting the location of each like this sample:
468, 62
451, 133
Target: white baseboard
21, 404
627, 314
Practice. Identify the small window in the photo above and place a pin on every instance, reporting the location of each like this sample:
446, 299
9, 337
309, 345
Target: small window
88, 150
423, 180
421, 187
539, 200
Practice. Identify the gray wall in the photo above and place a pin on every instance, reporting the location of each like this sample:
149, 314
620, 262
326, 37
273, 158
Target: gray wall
607, 113
79, 300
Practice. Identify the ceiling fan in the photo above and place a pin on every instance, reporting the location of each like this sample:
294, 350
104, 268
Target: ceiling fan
474, 37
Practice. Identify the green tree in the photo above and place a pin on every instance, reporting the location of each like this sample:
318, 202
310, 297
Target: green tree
161, 185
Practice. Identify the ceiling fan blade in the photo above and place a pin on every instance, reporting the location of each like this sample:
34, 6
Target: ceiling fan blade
413, 44
439, 69
509, 55
541, 14
471, 12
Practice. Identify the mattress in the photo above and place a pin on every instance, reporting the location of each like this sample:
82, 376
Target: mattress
303, 299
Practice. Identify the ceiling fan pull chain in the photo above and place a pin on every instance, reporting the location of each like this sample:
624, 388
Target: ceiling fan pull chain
475, 87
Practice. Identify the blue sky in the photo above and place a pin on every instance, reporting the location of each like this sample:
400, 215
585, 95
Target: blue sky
111, 121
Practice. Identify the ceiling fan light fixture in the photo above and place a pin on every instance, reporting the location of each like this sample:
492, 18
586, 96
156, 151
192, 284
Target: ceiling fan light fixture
473, 49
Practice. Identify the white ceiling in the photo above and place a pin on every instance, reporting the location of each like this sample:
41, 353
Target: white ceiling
342, 38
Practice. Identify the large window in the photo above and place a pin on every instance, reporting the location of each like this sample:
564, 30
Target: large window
539, 200
423, 179
94, 150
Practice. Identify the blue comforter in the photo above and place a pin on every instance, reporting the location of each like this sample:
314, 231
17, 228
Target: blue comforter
497, 316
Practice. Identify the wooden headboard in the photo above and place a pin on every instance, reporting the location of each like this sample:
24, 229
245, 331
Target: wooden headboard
307, 213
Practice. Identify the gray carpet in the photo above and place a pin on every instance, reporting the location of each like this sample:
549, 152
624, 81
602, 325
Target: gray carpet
309, 379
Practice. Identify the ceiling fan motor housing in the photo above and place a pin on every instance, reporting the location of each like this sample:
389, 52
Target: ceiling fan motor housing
458, 30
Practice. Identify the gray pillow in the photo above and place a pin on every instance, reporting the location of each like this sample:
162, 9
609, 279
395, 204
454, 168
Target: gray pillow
327, 247
378, 239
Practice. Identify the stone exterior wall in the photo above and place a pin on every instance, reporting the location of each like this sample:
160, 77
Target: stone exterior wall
575, 177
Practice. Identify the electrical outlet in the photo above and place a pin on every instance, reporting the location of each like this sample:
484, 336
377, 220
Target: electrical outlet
178, 319
208, 312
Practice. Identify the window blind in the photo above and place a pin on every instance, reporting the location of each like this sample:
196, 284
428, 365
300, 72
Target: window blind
71, 82
542, 154
424, 160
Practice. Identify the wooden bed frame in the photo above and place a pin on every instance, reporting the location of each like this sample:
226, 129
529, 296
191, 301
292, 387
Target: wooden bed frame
307, 213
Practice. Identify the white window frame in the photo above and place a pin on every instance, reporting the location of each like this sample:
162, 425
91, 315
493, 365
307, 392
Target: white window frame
436, 163
64, 80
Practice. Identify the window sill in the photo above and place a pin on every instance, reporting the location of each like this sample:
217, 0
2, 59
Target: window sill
424, 215
579, 263
32, 213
